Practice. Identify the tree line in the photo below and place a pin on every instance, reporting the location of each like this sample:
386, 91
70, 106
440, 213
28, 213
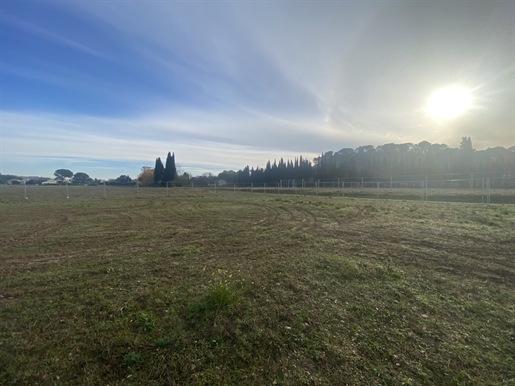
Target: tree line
383, 161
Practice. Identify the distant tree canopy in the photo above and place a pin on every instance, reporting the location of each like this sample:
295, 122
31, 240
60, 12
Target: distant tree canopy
122, 180
81, 178
6, 177
61, 174
146, 177
382, 161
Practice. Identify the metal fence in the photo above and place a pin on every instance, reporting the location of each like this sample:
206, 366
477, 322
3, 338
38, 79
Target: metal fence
485, 190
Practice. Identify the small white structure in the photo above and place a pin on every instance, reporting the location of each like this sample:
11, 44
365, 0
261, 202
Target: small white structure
50, 182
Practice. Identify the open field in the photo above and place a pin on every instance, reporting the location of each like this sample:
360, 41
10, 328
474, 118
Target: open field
433, 194
201, 288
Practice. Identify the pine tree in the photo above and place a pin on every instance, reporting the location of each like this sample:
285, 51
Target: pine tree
158, 171
170, 171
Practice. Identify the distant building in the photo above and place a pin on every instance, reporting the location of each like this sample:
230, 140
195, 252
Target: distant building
50, 182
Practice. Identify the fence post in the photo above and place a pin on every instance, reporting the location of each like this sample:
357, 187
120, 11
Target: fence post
234, 188
426, 189
488, 191
137, 187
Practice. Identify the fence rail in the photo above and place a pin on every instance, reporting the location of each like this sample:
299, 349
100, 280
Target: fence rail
475, 190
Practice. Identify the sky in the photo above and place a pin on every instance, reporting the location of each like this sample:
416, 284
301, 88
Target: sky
106, 87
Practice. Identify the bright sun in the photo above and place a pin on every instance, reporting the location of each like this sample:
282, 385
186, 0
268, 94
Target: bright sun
448, 102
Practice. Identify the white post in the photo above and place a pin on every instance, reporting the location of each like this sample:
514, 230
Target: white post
26, 190
377, 192
105, 190
482, 191
137, 187
488, 191
67, 195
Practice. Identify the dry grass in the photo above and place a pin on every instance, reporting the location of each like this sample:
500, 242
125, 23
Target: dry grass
198, 288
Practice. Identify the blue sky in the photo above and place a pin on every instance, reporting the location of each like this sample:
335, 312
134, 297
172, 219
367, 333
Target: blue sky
106, 87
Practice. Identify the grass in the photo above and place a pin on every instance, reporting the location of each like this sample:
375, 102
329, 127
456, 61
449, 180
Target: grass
202, 288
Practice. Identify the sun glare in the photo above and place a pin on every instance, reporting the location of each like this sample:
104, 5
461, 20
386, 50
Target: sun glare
448, 102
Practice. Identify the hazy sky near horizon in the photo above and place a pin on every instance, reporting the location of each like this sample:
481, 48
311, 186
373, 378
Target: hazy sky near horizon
105, 87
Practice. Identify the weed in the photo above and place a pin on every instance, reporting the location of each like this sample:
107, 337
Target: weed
131, 359
166, 341
146, 321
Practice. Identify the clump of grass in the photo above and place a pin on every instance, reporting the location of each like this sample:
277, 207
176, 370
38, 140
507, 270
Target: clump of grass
166, 341
224, 291
131, 359
147, 321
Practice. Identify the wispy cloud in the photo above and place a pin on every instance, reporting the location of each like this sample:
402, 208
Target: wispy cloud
40, 32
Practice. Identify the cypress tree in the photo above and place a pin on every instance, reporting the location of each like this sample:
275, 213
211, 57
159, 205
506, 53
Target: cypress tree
169, 172
158, 171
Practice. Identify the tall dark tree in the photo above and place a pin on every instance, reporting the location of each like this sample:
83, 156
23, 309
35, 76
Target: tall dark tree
61, 174
158, 171
170, 171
